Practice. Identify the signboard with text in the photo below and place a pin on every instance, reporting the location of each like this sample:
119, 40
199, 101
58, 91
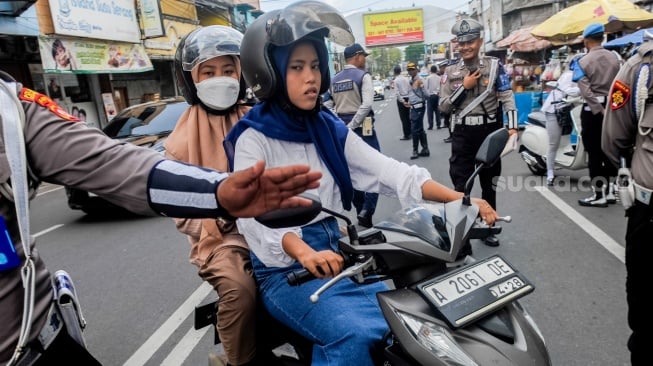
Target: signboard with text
103, 19
396, 27
79, 56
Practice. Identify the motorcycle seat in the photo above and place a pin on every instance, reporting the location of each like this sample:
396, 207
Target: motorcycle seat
537, 118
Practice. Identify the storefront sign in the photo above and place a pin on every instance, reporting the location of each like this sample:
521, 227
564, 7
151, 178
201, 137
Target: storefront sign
113, 20
64, 55
150, 14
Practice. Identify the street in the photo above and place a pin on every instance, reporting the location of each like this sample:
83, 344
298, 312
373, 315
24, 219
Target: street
138, 290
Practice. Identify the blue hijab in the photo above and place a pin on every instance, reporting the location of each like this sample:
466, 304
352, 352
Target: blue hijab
320, 127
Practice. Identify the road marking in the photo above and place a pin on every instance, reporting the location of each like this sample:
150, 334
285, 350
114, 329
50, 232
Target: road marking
599, 235
161, 335
44, 191
180, 353
43, 232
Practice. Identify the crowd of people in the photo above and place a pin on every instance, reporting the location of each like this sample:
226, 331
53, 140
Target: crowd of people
331, 152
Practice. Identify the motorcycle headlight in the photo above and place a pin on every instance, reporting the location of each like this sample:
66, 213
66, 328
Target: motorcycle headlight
438, 340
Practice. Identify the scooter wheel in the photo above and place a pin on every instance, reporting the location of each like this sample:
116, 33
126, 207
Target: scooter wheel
536, 169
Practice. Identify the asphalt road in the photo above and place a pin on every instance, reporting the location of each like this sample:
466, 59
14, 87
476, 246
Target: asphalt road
138, 289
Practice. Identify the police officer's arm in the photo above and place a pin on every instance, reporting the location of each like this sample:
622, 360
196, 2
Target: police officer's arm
585, 88
507, 99
367, 97
69, 153
620, 121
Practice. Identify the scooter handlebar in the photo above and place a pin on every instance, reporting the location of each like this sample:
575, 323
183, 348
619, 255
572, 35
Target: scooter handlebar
297, 277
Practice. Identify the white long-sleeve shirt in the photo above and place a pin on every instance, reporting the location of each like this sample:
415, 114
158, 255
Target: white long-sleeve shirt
566, 87
370, 171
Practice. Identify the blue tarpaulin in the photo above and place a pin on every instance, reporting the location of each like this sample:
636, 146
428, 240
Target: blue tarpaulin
635, 38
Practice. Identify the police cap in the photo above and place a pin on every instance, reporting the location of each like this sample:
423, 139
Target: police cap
593, 29
466, 30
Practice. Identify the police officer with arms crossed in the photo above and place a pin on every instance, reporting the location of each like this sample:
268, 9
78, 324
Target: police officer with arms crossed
353, 95
594, 75
63, 151
473, 91
627, 127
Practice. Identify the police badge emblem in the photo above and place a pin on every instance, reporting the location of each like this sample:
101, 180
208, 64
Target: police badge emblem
464, 27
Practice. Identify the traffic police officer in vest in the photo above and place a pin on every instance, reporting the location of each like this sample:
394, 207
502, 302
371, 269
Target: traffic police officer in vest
627, 140
473, 93
34, 326
352, 93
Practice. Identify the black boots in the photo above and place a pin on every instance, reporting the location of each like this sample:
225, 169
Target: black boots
365, 218
417, 140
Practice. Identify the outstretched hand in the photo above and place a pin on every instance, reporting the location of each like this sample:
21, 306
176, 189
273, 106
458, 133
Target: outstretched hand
254, 191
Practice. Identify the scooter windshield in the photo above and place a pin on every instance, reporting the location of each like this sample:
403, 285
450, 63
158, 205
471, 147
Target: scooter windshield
419, 221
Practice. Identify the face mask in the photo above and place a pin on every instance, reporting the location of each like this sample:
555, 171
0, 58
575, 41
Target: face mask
219, 92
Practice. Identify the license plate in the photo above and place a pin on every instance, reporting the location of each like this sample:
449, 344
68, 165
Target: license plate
475, 290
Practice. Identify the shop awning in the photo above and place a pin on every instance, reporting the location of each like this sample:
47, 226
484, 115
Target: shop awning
522, 40
23, 25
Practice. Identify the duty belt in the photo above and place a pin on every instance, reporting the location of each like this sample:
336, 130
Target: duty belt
475, 120
417, 105
643, 194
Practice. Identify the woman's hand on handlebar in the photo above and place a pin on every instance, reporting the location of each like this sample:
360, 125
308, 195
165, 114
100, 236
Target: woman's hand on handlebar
325, 263
485, 211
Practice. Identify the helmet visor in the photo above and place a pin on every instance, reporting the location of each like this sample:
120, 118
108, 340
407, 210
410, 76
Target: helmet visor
302, 18
209, 42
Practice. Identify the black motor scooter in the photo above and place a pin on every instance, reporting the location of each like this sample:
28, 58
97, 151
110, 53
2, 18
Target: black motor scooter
442, 310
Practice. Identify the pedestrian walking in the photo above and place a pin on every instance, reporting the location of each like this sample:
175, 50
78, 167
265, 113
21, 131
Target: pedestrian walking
353, 95
476, 92
594, 75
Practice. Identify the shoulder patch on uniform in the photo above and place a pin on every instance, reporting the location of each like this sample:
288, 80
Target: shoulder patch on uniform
43, 100
620, 95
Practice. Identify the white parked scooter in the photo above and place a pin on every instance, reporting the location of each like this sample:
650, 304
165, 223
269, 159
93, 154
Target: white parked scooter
535, 141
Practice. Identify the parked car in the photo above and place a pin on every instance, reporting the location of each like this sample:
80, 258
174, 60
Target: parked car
379, 92
147, 124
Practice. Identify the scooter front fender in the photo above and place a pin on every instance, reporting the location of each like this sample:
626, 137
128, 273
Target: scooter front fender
522, 345
535, 139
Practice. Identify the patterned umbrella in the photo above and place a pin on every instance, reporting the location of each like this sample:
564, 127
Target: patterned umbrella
616, 15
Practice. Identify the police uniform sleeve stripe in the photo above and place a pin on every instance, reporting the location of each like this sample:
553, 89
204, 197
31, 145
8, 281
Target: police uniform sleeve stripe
177, 189
513, 122
458, 95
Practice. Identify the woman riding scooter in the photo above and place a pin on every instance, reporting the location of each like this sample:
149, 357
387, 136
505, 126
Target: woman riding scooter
566, 87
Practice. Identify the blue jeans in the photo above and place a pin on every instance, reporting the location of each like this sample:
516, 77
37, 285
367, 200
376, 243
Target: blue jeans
346, 325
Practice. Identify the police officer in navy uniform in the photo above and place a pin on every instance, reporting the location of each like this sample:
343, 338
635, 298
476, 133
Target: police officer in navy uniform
352, 93
627, 127
417, 97
594, 75
473, 92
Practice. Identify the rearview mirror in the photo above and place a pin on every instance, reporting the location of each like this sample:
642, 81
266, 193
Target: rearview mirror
295, 216
492, 147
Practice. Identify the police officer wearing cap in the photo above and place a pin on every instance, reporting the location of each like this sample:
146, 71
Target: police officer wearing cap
402, 86
594, 75
627, 127
352, 93
416, 101
473, 93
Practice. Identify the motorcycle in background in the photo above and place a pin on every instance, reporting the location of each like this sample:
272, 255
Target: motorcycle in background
535, 140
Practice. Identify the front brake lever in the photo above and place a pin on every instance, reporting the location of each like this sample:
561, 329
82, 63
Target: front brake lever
347, 272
